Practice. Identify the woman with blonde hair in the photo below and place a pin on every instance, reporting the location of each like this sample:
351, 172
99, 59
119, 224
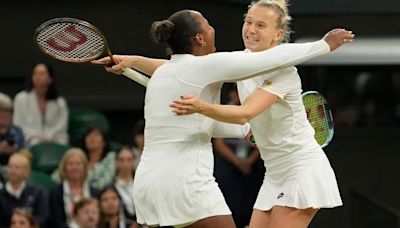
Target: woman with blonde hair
299, 178
73, 172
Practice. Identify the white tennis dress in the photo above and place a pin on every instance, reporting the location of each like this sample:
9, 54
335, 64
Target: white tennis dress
174, 181
298, 173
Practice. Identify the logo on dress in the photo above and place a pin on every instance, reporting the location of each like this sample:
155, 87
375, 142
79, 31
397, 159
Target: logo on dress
266, 84
281, 195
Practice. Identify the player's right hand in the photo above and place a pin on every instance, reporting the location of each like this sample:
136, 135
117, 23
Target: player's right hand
337, 37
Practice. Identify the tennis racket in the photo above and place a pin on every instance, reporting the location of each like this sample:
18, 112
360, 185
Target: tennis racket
76, 41
320, 117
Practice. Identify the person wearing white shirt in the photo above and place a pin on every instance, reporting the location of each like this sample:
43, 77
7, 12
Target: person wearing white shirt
40, 111
174, 185
299, 179
123, 180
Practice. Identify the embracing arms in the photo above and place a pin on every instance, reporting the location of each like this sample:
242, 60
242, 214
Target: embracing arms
254, 104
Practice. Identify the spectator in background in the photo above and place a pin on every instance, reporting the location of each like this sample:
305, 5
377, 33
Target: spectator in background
19, 194
39, 110
138, 139
72, 171
238, 171
86, 213
101, 159
11, 136
111, 213
22, 218
123, 181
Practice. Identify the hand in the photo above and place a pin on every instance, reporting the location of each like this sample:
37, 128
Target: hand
337, 37
188, 105
244, 166
134, 225
116, 64
6, 148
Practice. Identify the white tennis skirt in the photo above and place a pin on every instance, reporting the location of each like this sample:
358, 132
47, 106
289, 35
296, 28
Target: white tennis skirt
302, 184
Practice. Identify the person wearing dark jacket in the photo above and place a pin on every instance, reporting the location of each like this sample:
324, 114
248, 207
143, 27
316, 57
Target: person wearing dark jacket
73, 170
17, 193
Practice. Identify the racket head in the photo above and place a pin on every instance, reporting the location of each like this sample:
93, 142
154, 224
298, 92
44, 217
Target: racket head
70, 40
320, 117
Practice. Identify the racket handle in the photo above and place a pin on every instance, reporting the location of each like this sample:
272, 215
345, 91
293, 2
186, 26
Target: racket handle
136, 76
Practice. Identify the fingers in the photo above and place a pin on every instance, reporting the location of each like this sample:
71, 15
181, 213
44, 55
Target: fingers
348, 37
183, 106
181, 112
337, 37
103, 61
180, 109
186, 97
111, 70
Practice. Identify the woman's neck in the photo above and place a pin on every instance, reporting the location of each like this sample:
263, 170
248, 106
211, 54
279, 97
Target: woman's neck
75, 184
125, 176
41, 92
95, 156
16, 185
112, 220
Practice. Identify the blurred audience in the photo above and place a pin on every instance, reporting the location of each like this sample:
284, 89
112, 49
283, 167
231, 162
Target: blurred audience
101, 159
86, 213
72, 171
19, 194
111, 212
11, 136
123, 181
22, 218
39, 110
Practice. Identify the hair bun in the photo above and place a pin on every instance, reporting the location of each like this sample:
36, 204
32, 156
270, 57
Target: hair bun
161, 31
282, 3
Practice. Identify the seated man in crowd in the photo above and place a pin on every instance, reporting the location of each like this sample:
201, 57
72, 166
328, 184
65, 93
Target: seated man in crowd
11, 136
17, 193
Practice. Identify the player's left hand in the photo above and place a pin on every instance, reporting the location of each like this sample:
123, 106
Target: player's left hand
188, 104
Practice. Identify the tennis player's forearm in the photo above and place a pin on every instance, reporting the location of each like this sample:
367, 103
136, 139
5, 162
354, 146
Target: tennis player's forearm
226, 113
145, 65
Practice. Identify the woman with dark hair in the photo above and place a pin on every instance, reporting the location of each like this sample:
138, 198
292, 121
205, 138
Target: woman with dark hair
101, 158
39, 110
111, 210
123, 180
174, 185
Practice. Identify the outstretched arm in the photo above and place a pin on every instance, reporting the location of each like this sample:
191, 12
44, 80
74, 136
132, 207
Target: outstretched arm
236, 66
140, 63
254, 104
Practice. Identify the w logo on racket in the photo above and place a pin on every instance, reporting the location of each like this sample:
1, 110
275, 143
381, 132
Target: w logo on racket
76, 41
67, 40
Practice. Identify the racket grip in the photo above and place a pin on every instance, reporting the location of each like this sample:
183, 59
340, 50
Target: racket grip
136, 76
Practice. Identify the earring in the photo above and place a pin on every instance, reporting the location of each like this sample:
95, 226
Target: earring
203, 44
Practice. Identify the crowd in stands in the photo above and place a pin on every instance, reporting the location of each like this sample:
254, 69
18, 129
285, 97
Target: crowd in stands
48, 181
